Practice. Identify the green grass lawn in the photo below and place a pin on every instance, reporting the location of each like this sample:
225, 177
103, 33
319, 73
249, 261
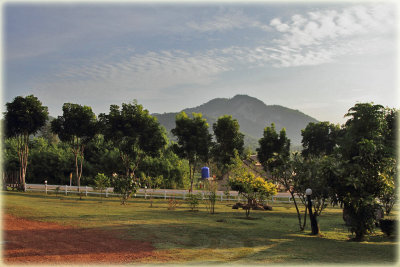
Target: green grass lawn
199, 237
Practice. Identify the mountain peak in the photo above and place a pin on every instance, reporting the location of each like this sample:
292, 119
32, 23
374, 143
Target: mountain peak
240, 97
252, 114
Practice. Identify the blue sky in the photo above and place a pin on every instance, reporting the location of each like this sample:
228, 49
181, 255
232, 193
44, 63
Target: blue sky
319, 58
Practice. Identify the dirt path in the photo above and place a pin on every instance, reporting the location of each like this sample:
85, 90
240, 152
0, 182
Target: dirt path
26, 241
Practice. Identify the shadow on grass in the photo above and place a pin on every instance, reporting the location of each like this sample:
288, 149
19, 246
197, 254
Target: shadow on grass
259, 244
272, 237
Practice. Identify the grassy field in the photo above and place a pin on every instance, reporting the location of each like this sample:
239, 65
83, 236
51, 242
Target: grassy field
199, 237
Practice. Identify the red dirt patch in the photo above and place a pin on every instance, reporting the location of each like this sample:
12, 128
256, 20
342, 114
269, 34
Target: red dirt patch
28, 241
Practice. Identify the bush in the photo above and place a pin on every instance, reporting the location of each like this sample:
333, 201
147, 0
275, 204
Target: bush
193, 201
388, 226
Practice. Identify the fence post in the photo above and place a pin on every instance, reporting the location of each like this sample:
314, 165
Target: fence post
66, 186
107, 192
202, 195
165, 194
184, 195
221, 196
86, 190
272, 199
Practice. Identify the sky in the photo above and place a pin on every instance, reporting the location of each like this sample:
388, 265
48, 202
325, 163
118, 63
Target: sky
317, 57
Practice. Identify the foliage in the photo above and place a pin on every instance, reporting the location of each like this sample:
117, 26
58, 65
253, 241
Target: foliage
50, 162
101, 157
315, 173
364, 163
228, 140
253, 188
194, 140
211, 195
392, 131
24, 116
388, 195
46, 133
274, 155
125, 186
270, 144
193, 200
284, 174
151, 183
173, 170
77, 126
134, 132
388, 226
101, 182
319, 139
10, 155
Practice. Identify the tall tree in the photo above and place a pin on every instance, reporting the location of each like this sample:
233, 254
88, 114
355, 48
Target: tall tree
274, 155
364, 163
77, 126
392, 132
228, 140
136, 134
272, 144
194, 140
24, 117
319, 139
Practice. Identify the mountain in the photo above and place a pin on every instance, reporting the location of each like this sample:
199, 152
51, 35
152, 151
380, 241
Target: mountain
252, 114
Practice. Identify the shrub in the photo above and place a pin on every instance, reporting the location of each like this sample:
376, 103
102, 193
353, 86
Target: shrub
253, 188
193, 201
388, 226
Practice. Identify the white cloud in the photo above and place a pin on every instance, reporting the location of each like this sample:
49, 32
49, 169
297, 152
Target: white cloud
307, 39
325, 25
322, 36
224, 21
281, 27
146, 73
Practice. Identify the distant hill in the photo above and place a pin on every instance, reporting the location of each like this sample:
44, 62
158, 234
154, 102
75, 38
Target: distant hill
252, 114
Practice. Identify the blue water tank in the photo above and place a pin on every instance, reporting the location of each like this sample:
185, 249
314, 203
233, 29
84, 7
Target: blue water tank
205, 172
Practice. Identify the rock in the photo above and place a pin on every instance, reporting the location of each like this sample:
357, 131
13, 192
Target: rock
237, 205
267, 207
258, 207
246, 207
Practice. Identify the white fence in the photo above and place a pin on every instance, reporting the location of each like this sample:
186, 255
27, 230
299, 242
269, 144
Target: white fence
147, 193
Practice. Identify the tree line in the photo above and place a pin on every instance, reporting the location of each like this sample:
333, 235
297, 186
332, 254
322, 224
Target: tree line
353, 165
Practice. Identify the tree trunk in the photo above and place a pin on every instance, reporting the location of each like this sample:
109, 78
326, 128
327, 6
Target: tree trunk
359, 236
305, 217
313, 220
23, 151
191, 178
77, 170
297, 209
81, 166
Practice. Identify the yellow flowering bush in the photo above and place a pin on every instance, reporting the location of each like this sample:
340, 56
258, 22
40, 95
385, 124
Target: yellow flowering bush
253, 188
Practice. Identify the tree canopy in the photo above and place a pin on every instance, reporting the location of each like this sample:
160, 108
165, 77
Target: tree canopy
365, 165
319, 138
136, 134
78, 126
228, 140
24, 116
272, 144
194, 140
